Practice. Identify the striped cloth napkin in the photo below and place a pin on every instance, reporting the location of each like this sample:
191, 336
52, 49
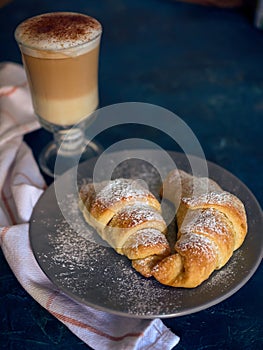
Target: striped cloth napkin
21, 184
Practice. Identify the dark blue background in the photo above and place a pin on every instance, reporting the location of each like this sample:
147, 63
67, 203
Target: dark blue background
206, 65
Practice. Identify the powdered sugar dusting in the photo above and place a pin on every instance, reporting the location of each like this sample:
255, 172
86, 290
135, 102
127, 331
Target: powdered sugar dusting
134, 215
120, 189
199, 246
220, 198
148, 237
228, 274
97, 276
207, 221
182, 184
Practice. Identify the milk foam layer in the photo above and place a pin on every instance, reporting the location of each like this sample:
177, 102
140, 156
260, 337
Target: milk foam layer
66, 32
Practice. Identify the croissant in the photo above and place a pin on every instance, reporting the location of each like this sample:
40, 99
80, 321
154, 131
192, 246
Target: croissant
211, 225
127, 216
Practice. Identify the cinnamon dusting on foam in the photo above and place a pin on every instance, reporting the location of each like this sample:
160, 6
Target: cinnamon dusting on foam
58, 31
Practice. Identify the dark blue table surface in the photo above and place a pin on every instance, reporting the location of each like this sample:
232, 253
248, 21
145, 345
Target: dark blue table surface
206, 65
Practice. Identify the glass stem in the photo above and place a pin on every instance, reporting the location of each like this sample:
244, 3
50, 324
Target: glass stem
70, 142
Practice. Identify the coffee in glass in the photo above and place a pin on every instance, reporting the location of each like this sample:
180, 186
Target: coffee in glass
60, 53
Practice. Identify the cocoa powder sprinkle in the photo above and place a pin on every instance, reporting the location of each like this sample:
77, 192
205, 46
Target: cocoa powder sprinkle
59, 27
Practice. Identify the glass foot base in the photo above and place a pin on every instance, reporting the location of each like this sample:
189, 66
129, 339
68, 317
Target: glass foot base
48, 157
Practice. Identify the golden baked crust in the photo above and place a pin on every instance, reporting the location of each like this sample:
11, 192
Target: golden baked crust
128, 217
211, 225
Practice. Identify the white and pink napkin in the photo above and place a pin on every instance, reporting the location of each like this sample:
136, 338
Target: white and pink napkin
21, 184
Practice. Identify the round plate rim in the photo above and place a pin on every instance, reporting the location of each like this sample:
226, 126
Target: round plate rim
201, 306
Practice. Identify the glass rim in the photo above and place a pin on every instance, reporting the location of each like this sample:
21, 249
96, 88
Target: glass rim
61, 49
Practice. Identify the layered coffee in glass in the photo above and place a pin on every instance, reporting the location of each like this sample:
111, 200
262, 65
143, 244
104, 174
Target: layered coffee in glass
60, 53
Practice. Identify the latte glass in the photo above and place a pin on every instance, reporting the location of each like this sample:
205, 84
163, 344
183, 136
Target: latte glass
60, 53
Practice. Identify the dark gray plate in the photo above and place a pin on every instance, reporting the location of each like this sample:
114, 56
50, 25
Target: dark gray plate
83, 267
